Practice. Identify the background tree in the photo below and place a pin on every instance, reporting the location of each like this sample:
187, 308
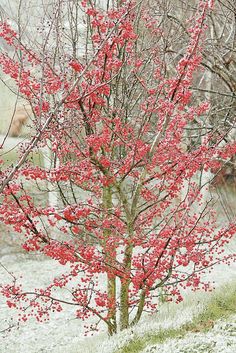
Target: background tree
113, 108
217, 79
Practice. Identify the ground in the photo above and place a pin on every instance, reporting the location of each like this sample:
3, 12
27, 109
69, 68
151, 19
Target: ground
221, 339
64, 333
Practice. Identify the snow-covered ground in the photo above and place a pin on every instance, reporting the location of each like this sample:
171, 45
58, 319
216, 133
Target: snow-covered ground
221, 339
64, 333
174, 316
56, 335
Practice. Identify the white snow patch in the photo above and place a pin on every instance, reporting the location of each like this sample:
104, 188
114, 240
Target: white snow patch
64, 333
221, 339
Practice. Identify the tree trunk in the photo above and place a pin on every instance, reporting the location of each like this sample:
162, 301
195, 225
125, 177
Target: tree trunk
140, 307
111, 279
124, 293
111, 292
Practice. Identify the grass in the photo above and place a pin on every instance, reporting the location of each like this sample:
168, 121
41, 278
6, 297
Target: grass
11, 156
221, 305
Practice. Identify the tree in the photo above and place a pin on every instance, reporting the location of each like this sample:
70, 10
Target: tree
114, 115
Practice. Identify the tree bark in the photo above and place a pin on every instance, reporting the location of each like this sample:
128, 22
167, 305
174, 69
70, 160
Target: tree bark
111, 279
124, 293
140, 307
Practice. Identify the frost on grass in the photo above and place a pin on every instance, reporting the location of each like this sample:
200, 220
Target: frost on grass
64, 333
222, 338
170, 315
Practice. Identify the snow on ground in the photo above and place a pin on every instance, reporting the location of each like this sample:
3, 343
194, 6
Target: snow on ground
57, 335
172, 315
64, 333
221, 339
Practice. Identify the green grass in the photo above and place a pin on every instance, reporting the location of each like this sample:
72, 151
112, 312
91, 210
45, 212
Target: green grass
221, 305
11, 157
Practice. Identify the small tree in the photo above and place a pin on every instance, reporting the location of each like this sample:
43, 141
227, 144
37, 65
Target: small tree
114, 116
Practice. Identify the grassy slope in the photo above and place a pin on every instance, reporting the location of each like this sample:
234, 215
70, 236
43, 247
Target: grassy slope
222, 305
